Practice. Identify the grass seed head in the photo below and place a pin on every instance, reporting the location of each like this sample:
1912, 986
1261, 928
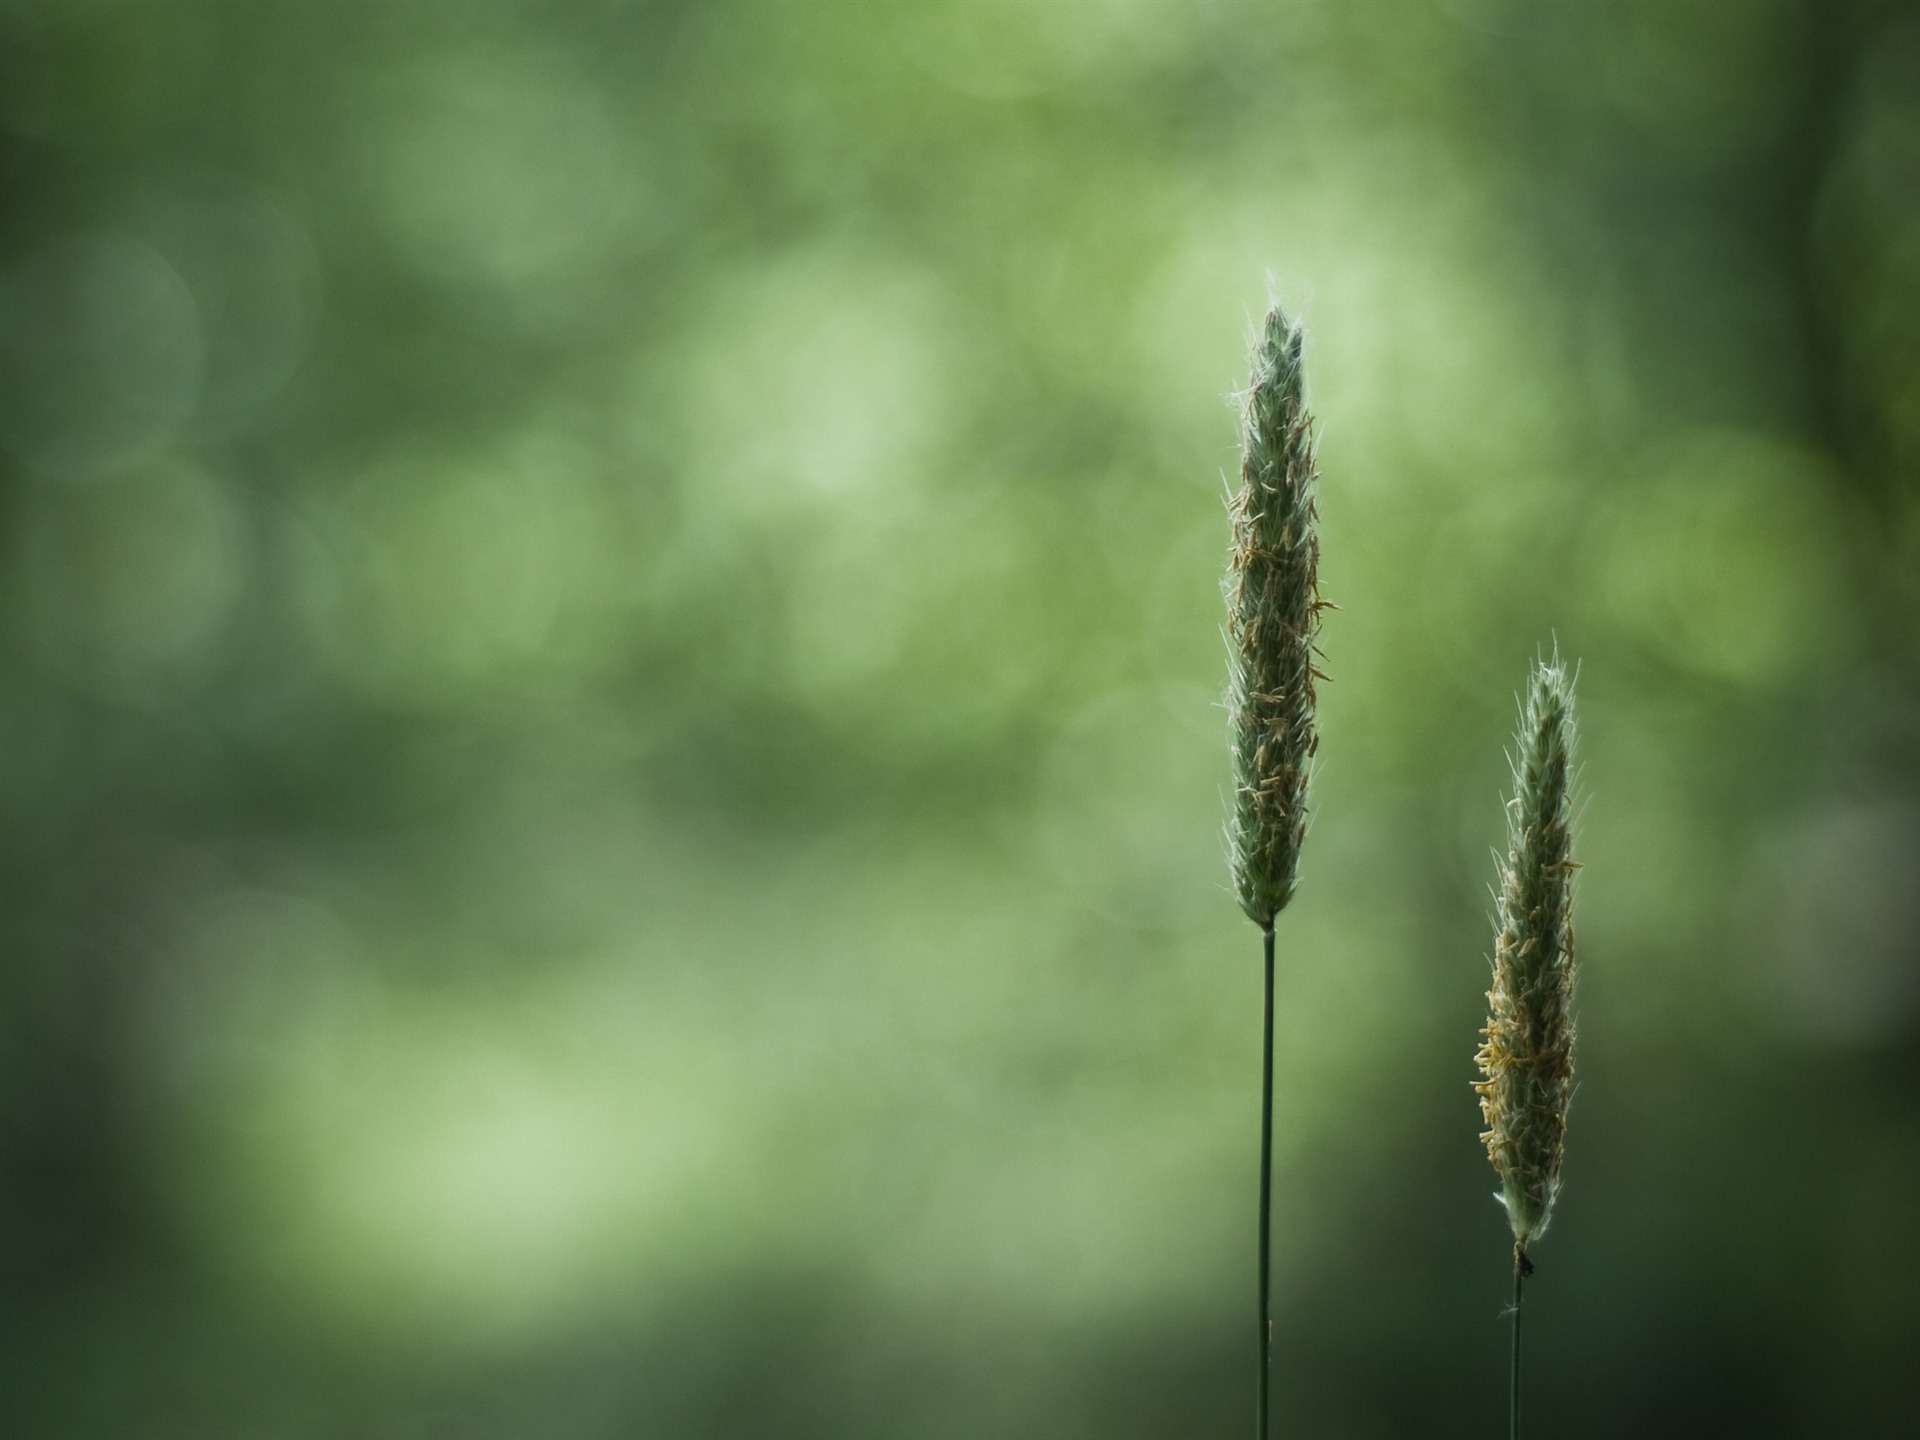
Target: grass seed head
1526, 1061
1273, 616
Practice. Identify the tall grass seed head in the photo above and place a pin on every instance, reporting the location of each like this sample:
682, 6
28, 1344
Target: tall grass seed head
1526, 1060
1273, 617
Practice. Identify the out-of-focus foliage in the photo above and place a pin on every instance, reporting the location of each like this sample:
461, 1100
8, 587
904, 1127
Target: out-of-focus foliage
609, 754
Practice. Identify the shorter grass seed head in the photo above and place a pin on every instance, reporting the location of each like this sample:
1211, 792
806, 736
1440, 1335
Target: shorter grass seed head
1273, 615
1527, 1058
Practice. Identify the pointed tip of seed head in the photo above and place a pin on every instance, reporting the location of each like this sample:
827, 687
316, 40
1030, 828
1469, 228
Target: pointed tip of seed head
1552, 679
1282, 345
1552, 669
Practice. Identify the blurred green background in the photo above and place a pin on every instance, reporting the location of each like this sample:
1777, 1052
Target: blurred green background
610, 768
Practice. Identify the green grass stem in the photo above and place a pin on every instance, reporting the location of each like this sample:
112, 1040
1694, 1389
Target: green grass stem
1266, 1192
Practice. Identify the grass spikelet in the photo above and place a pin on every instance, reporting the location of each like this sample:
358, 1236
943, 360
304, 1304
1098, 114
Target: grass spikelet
1527, 1058
1273, 615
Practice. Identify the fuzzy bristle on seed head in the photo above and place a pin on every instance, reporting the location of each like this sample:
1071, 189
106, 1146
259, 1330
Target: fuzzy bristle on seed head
1273, 615
1526, 1060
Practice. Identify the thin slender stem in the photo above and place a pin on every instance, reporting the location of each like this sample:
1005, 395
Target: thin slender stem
1520, 1268
1266, 1190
